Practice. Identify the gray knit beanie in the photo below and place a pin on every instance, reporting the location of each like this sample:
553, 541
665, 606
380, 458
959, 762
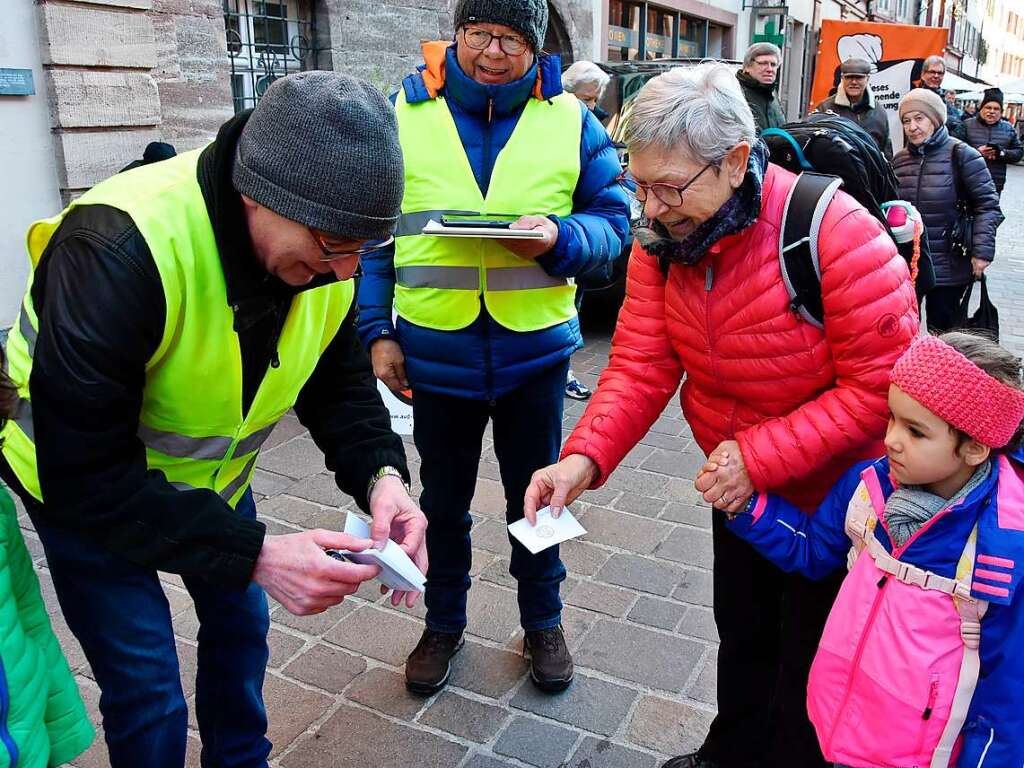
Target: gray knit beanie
927, 103
530, 17
321, 148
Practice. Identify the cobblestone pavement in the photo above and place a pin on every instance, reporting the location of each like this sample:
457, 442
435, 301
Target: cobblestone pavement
637, 614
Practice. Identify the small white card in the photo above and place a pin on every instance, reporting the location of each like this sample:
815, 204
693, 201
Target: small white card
548, 531
397, 571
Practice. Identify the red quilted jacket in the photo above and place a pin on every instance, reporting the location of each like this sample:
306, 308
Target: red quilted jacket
804, 404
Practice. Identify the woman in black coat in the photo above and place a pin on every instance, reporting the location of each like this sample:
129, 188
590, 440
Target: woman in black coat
936, 173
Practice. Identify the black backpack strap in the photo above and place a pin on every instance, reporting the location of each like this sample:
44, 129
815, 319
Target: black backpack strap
798, 243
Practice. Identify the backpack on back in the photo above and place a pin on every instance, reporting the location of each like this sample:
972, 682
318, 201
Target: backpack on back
829, 151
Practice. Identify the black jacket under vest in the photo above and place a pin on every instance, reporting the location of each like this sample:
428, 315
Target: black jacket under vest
101, 312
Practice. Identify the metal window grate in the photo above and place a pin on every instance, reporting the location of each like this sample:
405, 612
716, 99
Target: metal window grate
266, 39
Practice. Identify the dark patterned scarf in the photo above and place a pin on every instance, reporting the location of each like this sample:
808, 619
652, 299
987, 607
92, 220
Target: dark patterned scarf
736, 214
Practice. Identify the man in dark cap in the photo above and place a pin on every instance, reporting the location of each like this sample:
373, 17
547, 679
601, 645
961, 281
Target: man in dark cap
176, 312
853, 100
486, 327
992, 135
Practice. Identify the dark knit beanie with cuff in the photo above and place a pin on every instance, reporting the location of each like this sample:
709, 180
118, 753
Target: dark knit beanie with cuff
992, 94
322, 149
528, 17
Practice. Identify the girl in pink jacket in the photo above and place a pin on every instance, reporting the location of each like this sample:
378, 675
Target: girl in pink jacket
922, 660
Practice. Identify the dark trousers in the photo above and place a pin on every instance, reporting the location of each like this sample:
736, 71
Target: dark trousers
769, 624
448, 432
943, 306
120, 616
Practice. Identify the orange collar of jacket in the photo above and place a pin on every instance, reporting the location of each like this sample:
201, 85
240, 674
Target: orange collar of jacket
434, 53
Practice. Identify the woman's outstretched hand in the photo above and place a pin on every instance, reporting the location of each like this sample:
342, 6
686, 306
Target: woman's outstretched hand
558, 485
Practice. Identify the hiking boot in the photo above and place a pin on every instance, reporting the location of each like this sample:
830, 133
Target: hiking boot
693, 760
575, 389
550, 662
430, 664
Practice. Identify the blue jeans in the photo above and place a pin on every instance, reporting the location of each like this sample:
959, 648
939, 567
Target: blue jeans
448, 435
119, 614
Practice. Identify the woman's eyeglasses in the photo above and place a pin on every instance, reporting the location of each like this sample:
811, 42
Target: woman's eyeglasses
669, 194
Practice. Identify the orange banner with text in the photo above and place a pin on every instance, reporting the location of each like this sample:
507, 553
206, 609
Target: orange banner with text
895, 52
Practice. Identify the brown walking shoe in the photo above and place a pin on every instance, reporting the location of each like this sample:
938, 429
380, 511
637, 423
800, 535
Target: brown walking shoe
430, 664
550, 661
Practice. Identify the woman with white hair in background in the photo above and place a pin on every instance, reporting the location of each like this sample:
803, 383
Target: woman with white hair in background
779, 404
587, 81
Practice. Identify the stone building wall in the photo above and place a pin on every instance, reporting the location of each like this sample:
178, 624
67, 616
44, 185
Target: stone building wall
123, 73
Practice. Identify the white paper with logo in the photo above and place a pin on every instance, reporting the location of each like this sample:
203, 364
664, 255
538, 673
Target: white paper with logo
548, 531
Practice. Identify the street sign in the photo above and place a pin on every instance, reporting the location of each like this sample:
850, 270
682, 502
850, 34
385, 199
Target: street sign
16, 82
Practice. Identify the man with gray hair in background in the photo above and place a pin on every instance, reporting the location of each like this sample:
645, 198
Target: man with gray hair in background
933, 70
759, 80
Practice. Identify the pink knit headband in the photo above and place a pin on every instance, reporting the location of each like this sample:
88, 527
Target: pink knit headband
959, 392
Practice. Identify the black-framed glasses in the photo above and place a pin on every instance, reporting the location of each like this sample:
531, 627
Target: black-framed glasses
330, 253
670, 194
480, 40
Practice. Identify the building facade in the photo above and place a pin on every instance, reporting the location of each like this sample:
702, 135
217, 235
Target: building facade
110, 76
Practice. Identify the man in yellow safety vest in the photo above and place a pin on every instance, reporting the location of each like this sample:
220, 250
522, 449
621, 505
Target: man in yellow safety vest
175, 313
486, 327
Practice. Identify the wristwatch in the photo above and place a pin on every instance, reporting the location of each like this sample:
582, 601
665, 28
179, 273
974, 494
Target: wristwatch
386, 471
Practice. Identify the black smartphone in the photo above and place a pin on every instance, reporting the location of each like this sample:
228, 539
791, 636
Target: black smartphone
448, 221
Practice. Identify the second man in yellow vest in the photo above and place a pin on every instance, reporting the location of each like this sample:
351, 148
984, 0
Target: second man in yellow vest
485, 328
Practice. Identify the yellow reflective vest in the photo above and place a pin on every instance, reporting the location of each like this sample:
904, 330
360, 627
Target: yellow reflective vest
440, 282
191, 421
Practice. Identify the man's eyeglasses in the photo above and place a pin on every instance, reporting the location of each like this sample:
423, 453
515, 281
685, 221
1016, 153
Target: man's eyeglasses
939, 72
669, 194
331, 253
480, 40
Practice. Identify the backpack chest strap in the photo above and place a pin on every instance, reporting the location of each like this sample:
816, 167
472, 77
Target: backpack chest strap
911, 574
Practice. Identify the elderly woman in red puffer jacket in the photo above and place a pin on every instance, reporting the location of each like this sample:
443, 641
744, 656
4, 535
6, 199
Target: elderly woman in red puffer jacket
793, 405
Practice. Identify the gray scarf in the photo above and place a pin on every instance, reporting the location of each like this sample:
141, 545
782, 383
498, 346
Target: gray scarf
910, 506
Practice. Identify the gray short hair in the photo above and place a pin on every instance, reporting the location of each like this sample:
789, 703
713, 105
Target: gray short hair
761, 49
583, 72
701, 108
934, 60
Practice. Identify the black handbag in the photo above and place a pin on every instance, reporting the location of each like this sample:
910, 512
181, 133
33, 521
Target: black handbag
984, 322
961, 235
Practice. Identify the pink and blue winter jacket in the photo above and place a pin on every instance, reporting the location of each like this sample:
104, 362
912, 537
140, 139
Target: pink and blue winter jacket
881, 687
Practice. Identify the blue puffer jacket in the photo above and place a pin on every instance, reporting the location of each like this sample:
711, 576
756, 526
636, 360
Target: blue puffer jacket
486, 360
1001, 135
927, 179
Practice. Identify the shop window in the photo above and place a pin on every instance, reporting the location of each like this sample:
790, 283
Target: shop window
623, 30
660, 31
691, 38
266, 40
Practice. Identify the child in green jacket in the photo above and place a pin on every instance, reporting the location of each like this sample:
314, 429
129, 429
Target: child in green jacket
43, 721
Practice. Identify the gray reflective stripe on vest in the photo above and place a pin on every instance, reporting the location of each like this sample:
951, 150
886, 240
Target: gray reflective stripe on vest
182, 487
23, 417
457, 278
27, 331
183, 446
254, 441
239, 481
522, 279
413, 223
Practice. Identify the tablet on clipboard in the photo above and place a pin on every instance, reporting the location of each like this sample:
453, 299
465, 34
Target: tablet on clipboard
485, 228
